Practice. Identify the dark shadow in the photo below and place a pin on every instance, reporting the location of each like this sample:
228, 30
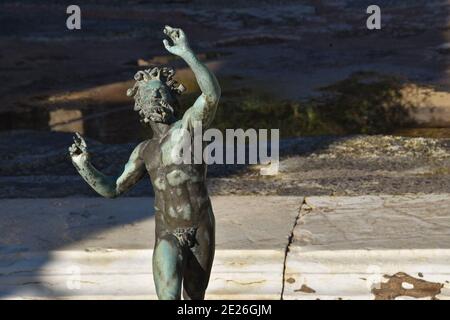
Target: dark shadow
31, 231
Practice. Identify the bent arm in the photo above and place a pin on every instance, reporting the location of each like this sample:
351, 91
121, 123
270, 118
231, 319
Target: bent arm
108, 186
206, 80
204, 108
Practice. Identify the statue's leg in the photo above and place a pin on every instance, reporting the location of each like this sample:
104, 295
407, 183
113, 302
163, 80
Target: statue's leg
168, 268
198, 262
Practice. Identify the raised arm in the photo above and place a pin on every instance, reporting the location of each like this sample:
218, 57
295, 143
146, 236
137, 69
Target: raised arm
106, 186
204, 108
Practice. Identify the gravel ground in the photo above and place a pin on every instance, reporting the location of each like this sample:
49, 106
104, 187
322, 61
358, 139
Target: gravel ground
36, 164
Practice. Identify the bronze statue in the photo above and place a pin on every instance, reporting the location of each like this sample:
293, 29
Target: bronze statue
185, 227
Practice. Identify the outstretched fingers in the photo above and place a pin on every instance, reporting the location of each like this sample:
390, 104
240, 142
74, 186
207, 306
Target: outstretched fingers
167, 44
81, 140
167, 29
171, 32
176, 43
72, 150
175, 34
78, 146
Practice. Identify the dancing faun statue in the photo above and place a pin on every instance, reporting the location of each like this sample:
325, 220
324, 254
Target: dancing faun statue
185, 227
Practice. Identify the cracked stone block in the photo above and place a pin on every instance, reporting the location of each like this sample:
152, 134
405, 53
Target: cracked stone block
370, 247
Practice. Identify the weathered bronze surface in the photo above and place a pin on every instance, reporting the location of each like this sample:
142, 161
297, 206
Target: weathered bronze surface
185, 227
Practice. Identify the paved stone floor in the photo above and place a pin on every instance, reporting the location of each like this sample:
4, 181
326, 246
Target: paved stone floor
51, 246
365, 247
370, 247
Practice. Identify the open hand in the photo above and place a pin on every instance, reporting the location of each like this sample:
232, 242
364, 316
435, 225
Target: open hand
180, 44
78, 150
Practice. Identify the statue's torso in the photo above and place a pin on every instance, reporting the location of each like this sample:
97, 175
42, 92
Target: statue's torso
181, 197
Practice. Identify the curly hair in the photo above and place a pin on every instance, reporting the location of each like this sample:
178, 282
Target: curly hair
163, 74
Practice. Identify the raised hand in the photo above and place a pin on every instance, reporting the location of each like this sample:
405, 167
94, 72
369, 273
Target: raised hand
78, 150
180, 44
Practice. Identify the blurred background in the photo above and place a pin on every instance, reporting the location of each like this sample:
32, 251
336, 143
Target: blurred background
309, 68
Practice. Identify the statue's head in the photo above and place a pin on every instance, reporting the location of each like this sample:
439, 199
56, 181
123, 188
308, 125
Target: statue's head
155, 94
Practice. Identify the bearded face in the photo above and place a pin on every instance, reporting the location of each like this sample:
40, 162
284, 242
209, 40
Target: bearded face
155, 102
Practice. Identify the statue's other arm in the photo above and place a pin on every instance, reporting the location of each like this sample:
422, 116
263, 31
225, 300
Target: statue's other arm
204, 108
106, 186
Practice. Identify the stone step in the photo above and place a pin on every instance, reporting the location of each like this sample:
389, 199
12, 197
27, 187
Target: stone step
370, 247
367, 247
50, 247
127, 274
